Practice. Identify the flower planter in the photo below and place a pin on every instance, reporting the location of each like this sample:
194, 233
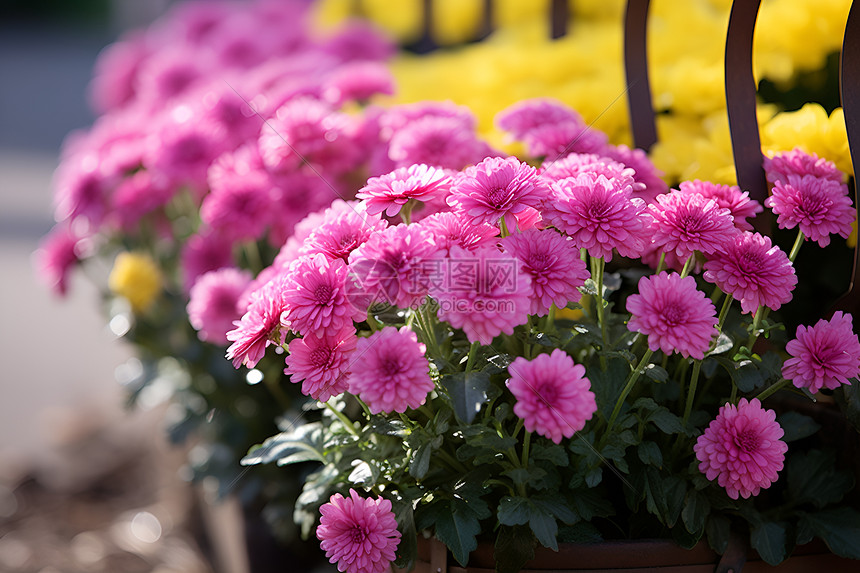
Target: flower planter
631, 557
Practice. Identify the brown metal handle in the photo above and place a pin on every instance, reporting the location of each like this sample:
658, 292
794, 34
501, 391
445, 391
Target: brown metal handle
741, 104
642, 123
849, 92
558, 15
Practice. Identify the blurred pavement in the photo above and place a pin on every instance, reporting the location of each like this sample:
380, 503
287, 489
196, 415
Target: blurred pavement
58, 358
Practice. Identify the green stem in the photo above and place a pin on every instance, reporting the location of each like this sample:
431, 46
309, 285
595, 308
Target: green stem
691, 395
598, 267
716, 294
503, 228
772, 389
759, 314
631, 380
406, 211
724, 311
688, 265
473, 351
348, 424
526, 443
372, 322
252, 253
453, 462
661, 263
798, 242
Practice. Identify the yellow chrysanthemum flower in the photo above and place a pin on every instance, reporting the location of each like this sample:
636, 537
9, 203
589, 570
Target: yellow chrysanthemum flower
810, 129
135, 277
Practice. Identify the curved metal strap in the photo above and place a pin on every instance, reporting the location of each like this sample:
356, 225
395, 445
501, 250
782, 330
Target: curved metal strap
486, 20
558, 18
849, 89
636, 69
741, 104
426, 43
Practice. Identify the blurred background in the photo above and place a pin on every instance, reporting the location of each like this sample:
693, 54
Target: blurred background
85, 484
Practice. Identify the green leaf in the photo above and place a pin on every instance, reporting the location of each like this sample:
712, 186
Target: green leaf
468, 392
812, 478
839, 528
594, 477
306, 438
768, 538
515, 546
696, 509
673, 490
655, 497
747, 376
582, 532
408, 546
607, 384
797, 426
420, 462
544, 526
552, 453
718, 528
513, 510
455, 525
724, 344
656, 373
666, 420
848, 398
558, 506
649, 453
590, 504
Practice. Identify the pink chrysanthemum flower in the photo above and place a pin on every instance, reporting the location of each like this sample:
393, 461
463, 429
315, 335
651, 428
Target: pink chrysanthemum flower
554, 141
527, 115
239, 205
820, 207
498, 188
359, 40
81, 189
673, 314
825, 355
742, 448
358, 534
754, 271
137, 195
357, 82
599, 215
688, 222
485, 292
57, 254
261, 324
392, 264
182, 148
113, 83
321, 362
394, 374
449, 229
340, 233
728, 197
646, 174
392, 191
446, 142
798, 162
577, 163
306, 129
554, 264
554, 397
204, 252
316, 296
213, 304
295, 195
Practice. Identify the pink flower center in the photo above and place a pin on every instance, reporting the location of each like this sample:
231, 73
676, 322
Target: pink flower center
597, 210
811, 206
539, 261
674, 314
750, 262
498, 197
546, 393
357, 534
747, 441
390, 366
321, 357
323, 294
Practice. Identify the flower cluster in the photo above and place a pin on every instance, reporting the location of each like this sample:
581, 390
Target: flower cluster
462, 326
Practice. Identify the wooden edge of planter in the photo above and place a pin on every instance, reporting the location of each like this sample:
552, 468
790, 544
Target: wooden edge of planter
635, 556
